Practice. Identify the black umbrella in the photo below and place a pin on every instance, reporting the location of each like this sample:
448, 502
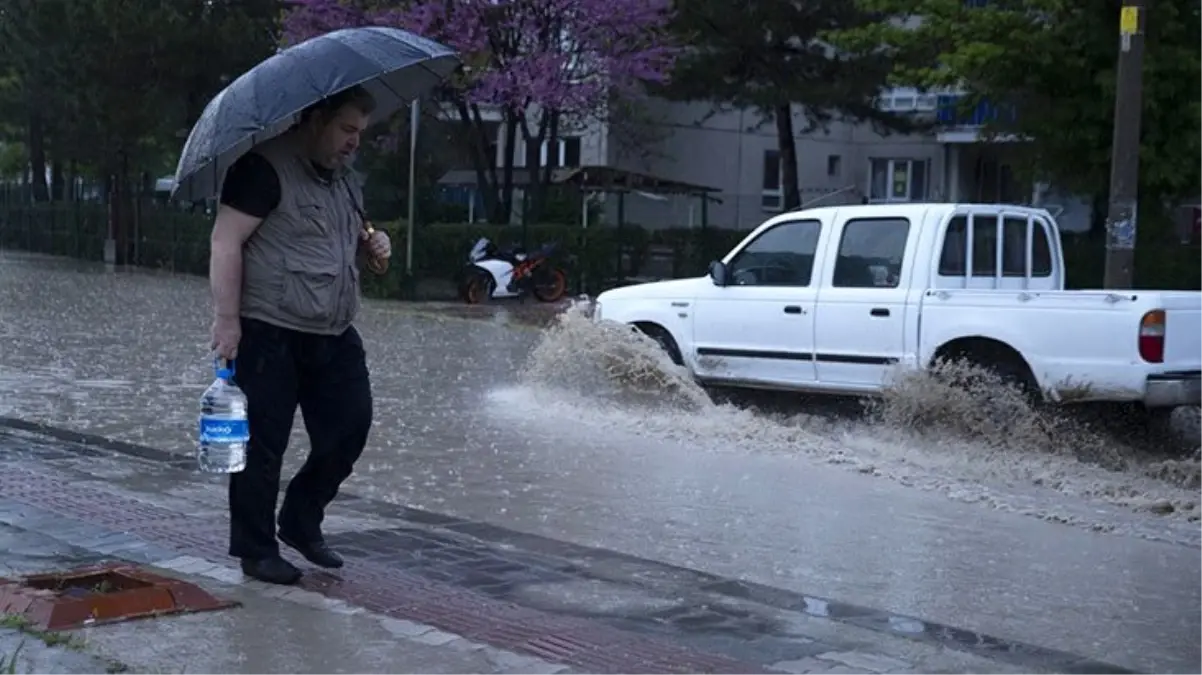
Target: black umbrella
395, 66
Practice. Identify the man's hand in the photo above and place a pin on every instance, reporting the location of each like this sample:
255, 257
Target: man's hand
378, 244
226, 332
378, 248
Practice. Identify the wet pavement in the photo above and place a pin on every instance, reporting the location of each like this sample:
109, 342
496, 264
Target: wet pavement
271, 630
481, 587
1030, 549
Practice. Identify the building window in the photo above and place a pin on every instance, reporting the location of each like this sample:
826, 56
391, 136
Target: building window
907, 100
834, 165
566, 152
570, 152
897, 180
771, 196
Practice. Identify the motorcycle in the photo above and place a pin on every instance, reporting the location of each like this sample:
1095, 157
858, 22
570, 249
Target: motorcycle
495, 273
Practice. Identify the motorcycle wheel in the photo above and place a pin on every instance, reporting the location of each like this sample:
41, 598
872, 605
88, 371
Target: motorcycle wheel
477, 289
551, 286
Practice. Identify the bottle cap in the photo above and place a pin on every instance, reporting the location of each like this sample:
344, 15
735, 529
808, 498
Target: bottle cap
224, 368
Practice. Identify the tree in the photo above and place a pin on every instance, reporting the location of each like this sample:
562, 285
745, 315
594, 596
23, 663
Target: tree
769, 55
110, 83
545, 65
1050, 64
107, 86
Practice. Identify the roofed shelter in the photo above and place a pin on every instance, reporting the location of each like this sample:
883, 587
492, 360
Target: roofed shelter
591, 180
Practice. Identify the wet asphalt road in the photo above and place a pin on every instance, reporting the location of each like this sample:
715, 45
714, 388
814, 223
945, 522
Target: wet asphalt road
459, 431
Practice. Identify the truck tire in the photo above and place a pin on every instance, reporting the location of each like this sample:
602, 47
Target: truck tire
999, 359
1150, 429
663, 338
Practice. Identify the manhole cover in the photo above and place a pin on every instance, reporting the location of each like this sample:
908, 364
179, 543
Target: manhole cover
102, 594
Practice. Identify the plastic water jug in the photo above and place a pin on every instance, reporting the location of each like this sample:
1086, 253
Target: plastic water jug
224, 430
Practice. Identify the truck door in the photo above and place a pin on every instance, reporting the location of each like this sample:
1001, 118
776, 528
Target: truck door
860, 316
758, 329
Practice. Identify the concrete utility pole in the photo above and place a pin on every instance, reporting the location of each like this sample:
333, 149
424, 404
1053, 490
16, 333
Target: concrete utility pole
1123, 213
415, 116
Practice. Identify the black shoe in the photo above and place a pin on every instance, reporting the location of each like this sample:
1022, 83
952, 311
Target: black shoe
274, 570
315, 552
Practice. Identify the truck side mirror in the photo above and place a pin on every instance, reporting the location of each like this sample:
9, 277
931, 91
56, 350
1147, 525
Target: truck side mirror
718, 272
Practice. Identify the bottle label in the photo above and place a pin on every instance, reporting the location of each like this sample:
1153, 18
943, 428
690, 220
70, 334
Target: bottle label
217, 430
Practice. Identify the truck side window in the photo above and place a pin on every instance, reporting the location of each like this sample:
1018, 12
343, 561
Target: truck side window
871, 253
1041, 256
984, 248
1014, 231
780, 256
951, 260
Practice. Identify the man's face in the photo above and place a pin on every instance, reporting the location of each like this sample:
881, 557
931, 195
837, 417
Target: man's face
338, 140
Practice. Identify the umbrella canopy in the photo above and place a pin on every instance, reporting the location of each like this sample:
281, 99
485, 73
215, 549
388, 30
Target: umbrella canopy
395, 66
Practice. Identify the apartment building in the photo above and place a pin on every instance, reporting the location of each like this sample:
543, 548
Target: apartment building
735, 153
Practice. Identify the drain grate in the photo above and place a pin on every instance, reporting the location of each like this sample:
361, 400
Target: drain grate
101, 594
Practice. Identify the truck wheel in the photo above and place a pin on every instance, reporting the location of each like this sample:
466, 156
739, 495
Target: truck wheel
1009, 368
663, 338
1158, 430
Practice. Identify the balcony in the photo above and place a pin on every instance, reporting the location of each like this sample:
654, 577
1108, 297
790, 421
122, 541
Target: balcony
908, 100
964, 126
948, 112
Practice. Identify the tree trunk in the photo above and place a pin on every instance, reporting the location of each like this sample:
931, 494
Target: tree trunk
548, 134
484, 165
37, 158
505, 202
58, 181
789, 181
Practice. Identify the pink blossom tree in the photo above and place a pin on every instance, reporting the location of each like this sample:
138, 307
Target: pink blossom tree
544, 65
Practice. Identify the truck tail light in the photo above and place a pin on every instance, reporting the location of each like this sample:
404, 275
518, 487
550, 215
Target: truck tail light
1151, 336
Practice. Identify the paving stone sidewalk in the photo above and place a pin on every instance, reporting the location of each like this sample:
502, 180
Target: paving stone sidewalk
274, 629
483, 598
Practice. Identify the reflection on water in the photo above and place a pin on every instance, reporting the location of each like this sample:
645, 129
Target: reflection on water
125, 355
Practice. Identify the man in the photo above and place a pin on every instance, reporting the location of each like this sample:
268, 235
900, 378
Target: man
286, 249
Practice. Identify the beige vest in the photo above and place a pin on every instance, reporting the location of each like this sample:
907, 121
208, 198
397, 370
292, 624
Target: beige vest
299, 268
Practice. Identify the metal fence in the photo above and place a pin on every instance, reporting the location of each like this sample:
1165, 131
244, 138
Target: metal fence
161, 237
158, 237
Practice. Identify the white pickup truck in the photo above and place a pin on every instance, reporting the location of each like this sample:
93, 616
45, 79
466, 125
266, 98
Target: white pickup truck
832, 300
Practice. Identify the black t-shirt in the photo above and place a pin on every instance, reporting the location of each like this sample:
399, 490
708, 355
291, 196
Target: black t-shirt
253, 187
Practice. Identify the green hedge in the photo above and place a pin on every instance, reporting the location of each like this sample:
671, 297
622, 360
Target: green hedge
179, 241
591, 256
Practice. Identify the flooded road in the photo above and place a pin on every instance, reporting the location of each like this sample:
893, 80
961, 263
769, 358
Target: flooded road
584, 434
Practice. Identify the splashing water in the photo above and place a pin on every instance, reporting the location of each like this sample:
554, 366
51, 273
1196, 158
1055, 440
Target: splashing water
621, 363
956, 429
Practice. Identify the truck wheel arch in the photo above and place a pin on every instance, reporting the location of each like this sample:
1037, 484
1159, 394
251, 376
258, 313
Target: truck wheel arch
663, 336
995, 355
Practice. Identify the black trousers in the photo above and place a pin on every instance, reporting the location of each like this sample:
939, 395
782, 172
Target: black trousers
279, 369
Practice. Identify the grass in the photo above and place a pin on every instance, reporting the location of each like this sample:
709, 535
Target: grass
8, 662
50, 638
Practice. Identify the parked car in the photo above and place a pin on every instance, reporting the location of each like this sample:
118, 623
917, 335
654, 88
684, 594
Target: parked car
831, 300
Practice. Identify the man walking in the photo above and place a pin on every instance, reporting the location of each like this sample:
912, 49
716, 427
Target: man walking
287, 246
